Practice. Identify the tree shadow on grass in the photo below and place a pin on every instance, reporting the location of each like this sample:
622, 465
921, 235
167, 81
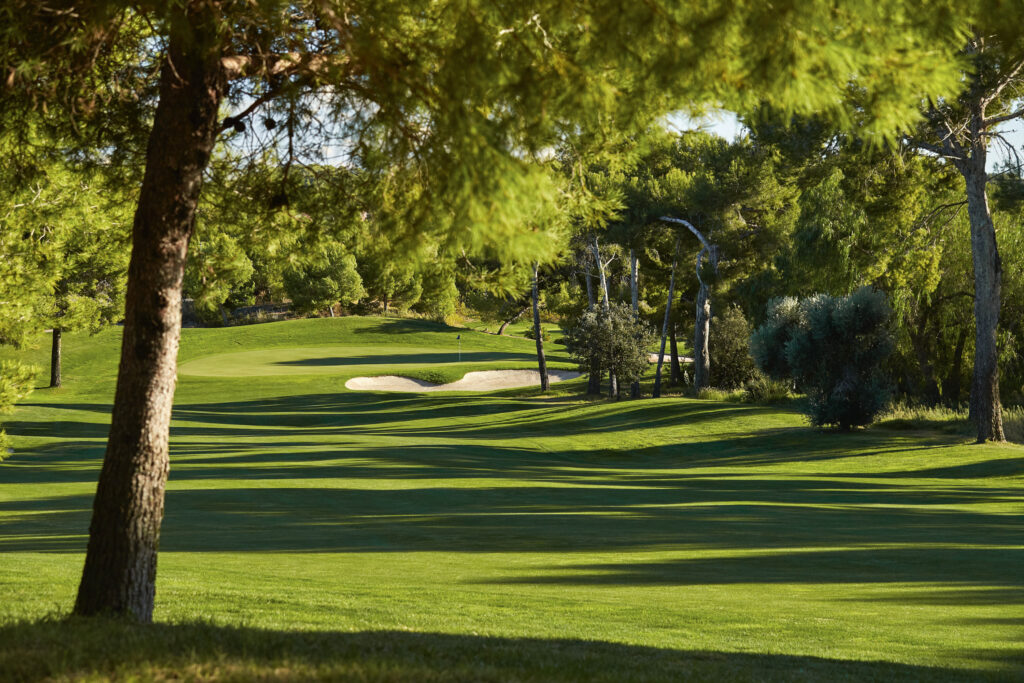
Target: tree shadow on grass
100, 648
843, 533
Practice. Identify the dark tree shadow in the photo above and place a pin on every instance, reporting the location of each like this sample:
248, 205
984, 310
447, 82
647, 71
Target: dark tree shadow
98, 648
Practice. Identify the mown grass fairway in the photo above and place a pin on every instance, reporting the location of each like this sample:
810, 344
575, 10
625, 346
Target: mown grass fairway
311, 530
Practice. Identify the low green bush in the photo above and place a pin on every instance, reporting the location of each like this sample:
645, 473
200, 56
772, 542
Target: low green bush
729, 346
834, 348
762, 389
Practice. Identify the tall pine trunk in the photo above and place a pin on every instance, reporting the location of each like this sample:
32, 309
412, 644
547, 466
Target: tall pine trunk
986, 409
664, 325
542, 364
634, 287
120, 563
55, 358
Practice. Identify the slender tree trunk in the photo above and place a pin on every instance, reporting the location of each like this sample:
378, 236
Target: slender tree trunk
223, 315
515, 317
330, 310
613, 382
55, 358
606, 301
542, 364
702, 359
120, 563
634, 287
591, 300
986, 409
664, 325
676, 372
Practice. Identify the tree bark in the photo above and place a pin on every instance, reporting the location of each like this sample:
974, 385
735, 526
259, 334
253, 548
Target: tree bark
613, 382
664, 325
702, 359
634, 388
542, 364
986, 409
55, 358
676, 372
120, 563
505, 323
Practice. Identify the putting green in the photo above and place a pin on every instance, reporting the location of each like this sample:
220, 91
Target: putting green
336, 360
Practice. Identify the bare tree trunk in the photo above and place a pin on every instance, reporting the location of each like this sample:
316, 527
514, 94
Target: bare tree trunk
676, 373
223, 314
600, 272
613, 383
702, 359
634, 388
664, 325
55, 358
542, 364
518, 314
120, 563
986, 409
330, 309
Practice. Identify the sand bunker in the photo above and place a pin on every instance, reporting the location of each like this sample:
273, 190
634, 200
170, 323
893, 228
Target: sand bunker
483, 380
668, 359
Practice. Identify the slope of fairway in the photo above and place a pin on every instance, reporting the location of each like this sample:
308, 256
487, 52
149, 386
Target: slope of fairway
343, 360
312, 531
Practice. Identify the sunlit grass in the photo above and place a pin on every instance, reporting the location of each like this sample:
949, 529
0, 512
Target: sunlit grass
312, 531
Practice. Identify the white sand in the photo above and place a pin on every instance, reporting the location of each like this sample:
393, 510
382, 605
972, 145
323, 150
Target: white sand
668, 358
484, 380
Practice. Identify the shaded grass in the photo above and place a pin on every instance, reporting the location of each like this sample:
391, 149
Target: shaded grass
559, 539
77, 649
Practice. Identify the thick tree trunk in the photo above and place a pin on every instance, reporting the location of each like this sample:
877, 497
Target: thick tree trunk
55, 358
634, 289
613, 382
986, 409
675, 371
542, 364
702, 359
120, 563
664, 325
